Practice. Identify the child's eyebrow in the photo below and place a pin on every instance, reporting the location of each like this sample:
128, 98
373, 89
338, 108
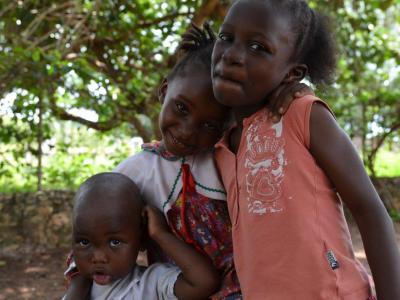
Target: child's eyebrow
262, 35
259, 34
185, 99
79, 233
255, 33
224, 25
115, 227
113, 231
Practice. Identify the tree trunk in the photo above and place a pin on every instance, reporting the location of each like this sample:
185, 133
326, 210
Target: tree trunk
39, 143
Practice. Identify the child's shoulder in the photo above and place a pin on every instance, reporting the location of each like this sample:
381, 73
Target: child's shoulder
137, 162
304, 102
301, 107
159, 277
156, 147
158, 268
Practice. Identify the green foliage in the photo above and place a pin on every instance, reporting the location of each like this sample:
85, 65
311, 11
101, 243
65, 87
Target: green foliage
366, 95
395, 215
73, 154
61, 58
387, 163
104, 56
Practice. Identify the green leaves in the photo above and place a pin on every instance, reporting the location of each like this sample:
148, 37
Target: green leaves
36, 55
107, 58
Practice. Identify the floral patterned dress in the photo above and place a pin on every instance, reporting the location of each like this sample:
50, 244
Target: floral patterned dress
203, 223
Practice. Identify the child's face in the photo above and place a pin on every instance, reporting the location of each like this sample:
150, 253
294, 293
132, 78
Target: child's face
106, 242
191, 120
251, 55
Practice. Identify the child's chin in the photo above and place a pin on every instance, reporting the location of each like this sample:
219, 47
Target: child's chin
102, 279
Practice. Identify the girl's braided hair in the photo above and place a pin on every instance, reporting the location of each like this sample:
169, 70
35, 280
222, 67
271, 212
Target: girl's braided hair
315, 43
195, 48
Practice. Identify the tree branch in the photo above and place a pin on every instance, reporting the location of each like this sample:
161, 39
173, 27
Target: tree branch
62, 114
205, 10
173, 16
141, 130
37, 20
10, 5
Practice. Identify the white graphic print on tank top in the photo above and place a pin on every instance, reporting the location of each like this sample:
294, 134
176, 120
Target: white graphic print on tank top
264, 164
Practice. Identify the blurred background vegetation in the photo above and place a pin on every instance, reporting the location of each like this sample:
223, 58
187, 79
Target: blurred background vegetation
79, 79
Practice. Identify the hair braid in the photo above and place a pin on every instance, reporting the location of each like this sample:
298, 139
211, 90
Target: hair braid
195, 48
197, 38
314, 44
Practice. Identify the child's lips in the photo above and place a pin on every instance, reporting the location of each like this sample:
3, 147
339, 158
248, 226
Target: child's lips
227, 75
181, 143
227, 80
101, 278
226, 83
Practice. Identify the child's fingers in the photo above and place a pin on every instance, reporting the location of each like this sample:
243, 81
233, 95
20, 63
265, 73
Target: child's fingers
283, 96
144, 211
147, 210
150, 213
274, 100
286, 94
145, 218
276, 118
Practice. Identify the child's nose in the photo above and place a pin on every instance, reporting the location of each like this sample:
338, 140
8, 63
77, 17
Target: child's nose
187, 131
99, 257
234, 54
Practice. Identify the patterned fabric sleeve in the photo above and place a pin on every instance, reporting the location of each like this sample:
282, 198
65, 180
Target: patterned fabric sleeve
71, 270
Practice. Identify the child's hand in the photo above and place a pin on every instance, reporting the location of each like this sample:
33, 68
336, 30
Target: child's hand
283, 96
156, 223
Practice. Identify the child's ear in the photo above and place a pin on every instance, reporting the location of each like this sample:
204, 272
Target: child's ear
162, 90
296, 73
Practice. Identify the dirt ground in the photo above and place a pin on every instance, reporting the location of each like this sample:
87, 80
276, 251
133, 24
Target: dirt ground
37, 274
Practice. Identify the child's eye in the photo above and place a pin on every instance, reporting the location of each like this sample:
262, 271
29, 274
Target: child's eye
257, 47
224, 37
83, 243
181, 107
115, 243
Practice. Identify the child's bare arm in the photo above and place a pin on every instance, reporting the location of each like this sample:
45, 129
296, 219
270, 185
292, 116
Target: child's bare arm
280, 100
199, 279
79, 288
336, 155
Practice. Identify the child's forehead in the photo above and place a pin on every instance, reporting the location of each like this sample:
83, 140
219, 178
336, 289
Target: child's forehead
106, 207
257, 17
254, 10
105, 218
195, 89
198, 70
195, 80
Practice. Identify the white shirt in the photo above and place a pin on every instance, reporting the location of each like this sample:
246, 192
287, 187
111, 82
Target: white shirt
155, 282
160, 180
